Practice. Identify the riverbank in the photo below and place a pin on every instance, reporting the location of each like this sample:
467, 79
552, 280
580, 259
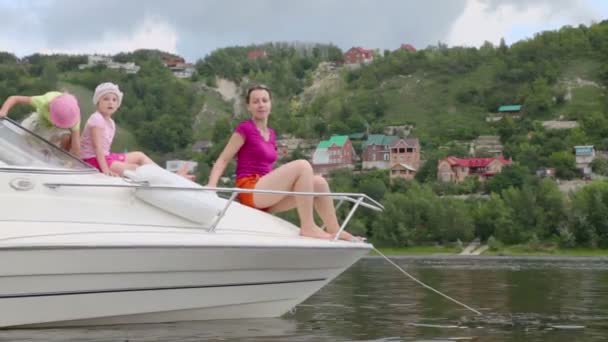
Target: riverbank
517, 250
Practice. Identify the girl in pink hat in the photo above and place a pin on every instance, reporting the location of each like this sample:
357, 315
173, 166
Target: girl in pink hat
99, 132
57, 118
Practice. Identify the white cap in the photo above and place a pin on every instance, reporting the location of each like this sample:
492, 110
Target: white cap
107, 88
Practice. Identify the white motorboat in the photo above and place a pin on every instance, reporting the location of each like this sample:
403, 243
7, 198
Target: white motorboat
81, 248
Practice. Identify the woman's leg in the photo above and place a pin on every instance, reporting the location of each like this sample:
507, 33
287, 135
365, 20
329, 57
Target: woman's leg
293, 176
138, 158
326, 210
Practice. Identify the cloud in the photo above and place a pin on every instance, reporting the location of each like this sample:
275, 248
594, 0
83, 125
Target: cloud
152, 33
490, 20
194, 28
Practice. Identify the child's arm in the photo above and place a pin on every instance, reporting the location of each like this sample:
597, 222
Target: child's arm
96, 133
75, 143
232, 147
11, 102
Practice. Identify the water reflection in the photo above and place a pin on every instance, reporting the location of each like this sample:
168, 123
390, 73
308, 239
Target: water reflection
523, 299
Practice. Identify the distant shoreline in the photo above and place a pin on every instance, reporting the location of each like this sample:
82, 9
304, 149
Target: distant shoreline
507, 251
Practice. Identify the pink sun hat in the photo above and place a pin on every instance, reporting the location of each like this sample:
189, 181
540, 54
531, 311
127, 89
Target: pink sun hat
64, 111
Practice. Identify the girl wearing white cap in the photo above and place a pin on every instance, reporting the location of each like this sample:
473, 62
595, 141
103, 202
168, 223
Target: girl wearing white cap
99, 132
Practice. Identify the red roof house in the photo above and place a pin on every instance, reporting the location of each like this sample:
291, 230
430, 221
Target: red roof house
453, 169
358, 55
255, 54
408, 47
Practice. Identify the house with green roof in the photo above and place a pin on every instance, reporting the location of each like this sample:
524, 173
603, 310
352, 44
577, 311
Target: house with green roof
509, 109
334, 153
375, 152
514, 111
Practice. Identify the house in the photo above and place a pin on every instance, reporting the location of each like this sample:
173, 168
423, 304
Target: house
408, 47
375, 152
335, 153
559, 124
176, 165
306, 146
184, 70
584, 155
356, 56
255, 54
399, 130
171, 61
202, 146
178, 66
486, 146
513, 111
405, 152
95, 60
402, 170
546, 172
453, 169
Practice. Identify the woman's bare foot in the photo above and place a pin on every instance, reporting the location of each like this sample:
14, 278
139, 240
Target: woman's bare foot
315, 232
344, 235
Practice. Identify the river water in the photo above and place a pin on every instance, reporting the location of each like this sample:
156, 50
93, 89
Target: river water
522, 299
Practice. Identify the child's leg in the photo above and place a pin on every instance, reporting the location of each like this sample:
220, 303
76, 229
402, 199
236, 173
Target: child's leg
119, 167
138, 158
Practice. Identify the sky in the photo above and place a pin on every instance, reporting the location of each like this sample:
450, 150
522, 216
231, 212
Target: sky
194, 28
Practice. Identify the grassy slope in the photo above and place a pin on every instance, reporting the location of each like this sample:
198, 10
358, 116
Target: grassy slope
214, 108
429, 102
124, 138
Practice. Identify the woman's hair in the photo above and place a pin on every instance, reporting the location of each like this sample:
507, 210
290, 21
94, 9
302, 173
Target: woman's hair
257, 87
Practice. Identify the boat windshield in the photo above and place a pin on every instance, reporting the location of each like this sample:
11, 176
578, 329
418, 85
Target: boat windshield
22, 149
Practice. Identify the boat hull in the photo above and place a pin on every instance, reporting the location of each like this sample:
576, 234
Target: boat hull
82, 285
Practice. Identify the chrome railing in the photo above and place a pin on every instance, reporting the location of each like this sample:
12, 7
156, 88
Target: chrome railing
358, 199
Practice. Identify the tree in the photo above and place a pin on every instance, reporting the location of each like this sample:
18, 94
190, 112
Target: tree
564, 164
50, 75
512, 176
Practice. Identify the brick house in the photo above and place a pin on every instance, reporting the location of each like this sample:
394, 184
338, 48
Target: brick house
255, 54
375, 151
335, 153
172, 61
453, 169
404, 158
358, 55
402, 170
408, 47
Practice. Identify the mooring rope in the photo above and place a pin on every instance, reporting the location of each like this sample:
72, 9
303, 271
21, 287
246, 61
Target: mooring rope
425, 285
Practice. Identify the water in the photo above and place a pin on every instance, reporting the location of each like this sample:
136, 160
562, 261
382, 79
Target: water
523, 299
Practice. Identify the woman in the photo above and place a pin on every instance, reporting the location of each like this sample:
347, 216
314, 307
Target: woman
254, 145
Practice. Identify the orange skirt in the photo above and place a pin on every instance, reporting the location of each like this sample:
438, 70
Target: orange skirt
248, 182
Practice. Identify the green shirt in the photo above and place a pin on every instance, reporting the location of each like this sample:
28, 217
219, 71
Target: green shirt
42, 105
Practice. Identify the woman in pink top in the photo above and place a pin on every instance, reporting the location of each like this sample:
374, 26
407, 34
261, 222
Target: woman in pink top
99, 132
254, 145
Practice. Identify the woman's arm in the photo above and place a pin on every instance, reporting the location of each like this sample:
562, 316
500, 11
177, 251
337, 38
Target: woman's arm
11, 102
96, 133
232, 147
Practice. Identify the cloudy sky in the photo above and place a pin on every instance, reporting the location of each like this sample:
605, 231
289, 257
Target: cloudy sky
194, 28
